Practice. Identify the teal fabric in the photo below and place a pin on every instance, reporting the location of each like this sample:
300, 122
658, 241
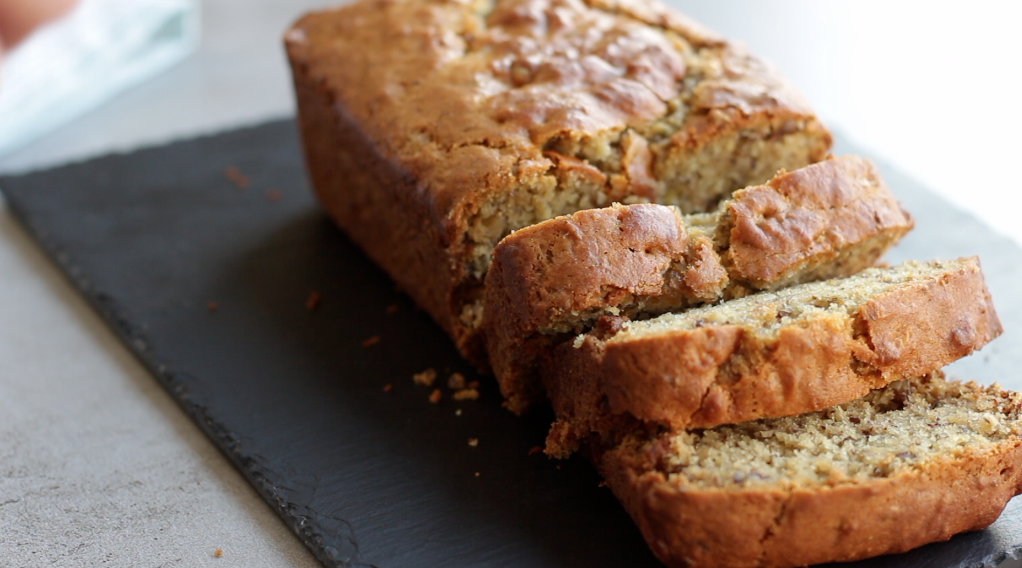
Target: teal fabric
77, 63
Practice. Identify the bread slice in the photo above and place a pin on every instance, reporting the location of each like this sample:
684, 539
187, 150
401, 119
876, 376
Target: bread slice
915, 462
556, 278
771, 354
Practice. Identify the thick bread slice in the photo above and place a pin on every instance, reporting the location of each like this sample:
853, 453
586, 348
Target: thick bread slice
913, 463
549, 278
771, 354
555, 278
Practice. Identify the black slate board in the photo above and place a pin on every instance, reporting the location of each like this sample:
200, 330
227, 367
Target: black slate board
293, 398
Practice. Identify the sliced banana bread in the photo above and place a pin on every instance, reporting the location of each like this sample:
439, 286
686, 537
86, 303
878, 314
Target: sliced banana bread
914, 462
771, 354
547, 281
433, 128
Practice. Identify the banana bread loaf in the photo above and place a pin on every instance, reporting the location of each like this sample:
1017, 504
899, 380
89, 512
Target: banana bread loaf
432, 129
771, 354
912, 463
553, 279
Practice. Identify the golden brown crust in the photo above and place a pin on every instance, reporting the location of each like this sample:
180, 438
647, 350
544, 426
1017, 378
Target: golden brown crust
775, 527
618, 252
826, 220
958, 309
583, 418
442, 126
412, 239
722, 374
621, 252
725, 374
575, 397
807, 218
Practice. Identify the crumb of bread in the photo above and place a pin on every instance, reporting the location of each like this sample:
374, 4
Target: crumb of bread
274, 195
391, 309
388, 387
456, 381
457, 412
466, 394
435, 396
218, 552
425, 378
473, 442
237, 178
212, 306
888, 432
313, 301
369, 342
477, 474
535, 450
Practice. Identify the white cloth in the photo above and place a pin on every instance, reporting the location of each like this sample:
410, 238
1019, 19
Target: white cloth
76, 63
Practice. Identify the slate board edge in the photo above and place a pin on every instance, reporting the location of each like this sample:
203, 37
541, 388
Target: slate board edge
994, 560
250, 466
135, 340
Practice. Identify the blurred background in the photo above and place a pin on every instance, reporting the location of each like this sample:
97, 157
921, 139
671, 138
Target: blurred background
930, 88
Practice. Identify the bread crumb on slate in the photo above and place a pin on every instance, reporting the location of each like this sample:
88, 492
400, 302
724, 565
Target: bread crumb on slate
391, 309
237, 178
212, 306
456, 381
218, 552
370, 341
425, 378
388, 387
313, 302
435, 396
473, 442
457, 412
477, 474
274, 195
535, 450
466, 394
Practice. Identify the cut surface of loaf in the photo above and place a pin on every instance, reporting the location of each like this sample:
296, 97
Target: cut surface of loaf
770, 354
914, 462
829, 219
433, 128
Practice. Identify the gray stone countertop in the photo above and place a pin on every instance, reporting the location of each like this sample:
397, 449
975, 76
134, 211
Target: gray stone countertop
98, 466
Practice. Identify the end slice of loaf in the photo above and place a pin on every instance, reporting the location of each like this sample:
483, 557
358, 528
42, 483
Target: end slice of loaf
771, 354
826, 220
915, 462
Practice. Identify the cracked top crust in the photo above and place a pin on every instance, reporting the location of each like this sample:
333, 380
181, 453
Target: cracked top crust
478, 97
508, 73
